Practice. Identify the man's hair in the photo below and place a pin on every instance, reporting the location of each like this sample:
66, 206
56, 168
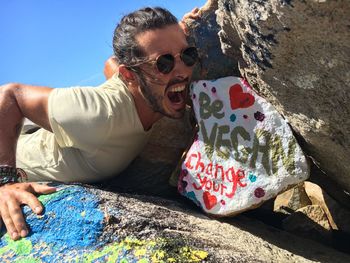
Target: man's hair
125, 46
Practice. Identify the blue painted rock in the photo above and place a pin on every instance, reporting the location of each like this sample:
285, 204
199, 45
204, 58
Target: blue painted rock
71, 230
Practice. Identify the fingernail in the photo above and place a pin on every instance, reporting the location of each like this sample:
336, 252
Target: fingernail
37, 209
14, 235
24, 233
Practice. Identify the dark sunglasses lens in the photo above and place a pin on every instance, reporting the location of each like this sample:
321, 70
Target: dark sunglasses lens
165, 63
190, 56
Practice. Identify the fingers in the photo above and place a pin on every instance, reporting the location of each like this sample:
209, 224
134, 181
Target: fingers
11, 199
16, 222
27, 198
194, 14
183, 26
8, 221
42, 188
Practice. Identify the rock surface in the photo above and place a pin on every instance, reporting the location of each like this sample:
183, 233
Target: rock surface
203, 33
296, 55
292, 199
81, 224
311, 222
338, 216
311, 213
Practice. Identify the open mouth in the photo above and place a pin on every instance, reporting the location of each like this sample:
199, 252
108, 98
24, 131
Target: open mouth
176, 96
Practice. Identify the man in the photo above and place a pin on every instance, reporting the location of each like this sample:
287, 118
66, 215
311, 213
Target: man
91, 133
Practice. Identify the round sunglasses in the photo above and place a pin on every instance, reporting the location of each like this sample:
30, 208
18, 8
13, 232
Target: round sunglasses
165, 63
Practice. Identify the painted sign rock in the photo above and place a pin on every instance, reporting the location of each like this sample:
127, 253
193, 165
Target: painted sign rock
244, 152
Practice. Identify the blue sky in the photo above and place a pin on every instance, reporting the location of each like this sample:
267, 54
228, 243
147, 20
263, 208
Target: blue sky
62, 43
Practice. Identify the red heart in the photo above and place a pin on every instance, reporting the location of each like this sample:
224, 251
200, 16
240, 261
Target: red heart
240, 99
209, 200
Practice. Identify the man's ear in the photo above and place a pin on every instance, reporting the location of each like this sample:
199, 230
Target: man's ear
127, 75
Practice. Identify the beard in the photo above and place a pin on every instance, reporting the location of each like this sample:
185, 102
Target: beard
155, 100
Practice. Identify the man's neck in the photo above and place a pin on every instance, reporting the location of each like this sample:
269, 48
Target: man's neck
147, 116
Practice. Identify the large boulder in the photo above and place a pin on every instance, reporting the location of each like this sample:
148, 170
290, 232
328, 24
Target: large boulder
88, 225
296, 55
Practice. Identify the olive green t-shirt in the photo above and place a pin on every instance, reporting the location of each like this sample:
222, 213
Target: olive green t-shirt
96, 133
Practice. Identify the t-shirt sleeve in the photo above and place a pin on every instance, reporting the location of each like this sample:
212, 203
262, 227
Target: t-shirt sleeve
79, 117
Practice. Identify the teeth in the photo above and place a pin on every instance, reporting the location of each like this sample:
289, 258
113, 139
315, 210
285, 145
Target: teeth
177, 89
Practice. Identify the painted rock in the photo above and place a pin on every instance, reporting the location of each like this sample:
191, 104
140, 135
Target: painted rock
77, 226
244, 152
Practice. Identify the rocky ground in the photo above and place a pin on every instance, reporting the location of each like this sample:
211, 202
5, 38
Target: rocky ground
90, 225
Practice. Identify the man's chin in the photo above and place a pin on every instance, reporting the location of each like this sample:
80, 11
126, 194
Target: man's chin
175, 114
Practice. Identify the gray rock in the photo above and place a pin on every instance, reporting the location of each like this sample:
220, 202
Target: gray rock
311, 222
338, 216
291, 200
90, 225
296, 55
203, 33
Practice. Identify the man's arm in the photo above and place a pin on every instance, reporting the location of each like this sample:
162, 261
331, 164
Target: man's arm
16, 102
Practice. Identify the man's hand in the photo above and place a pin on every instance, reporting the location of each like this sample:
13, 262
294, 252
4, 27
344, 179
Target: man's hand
12, 196
194, 14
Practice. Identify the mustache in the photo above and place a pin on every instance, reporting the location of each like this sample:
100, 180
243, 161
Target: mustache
151, 79
177, 81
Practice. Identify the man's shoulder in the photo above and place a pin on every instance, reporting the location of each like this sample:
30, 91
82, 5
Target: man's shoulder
112, 87
114, 83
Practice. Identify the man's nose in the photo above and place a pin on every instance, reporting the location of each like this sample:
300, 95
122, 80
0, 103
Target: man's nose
180, 69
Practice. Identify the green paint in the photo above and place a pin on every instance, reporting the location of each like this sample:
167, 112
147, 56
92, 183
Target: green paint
243, 157
268, 145
19, 247
112, 251
46, 198
220, 141
209, 140
277, 153
261, 148
216, 107
28, 260
206, 108
3, 250
209, 150
143, 261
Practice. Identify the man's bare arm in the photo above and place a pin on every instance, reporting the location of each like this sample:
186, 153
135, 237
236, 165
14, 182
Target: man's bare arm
16, 102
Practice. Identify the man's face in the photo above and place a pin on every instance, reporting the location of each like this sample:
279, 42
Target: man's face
165, 93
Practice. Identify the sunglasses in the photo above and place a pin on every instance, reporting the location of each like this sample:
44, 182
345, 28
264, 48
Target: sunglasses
165, 63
